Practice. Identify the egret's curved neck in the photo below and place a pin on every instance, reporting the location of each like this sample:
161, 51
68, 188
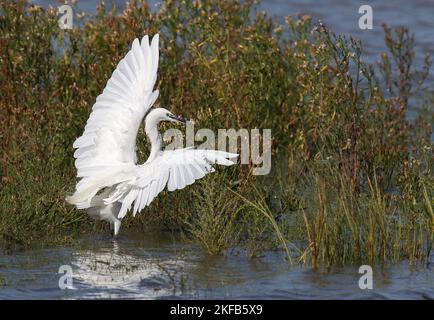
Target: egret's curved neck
151, 129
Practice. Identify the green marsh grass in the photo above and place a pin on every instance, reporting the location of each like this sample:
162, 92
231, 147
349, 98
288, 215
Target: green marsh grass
352, 176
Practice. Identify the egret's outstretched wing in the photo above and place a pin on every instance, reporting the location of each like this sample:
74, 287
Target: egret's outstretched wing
176, 169
110, 134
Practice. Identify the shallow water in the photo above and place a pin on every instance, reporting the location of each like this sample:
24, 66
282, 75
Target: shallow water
158, 267
342, 17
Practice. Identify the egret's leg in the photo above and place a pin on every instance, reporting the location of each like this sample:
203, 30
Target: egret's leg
117, 225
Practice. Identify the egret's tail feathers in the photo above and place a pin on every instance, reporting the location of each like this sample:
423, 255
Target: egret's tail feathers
88, 187
82, 197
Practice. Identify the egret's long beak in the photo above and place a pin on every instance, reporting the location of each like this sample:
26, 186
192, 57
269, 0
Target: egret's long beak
178, 118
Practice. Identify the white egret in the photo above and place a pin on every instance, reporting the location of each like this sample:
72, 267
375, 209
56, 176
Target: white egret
111, 180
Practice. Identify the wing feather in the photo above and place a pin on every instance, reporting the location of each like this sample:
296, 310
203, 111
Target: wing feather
110, 134
174, 169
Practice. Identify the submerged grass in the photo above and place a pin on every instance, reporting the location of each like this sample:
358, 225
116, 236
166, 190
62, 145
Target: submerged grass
352, 177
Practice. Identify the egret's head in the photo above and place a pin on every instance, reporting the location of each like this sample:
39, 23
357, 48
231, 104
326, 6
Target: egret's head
160, 114
174, 118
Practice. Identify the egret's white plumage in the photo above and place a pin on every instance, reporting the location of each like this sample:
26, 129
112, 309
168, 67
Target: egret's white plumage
111, 181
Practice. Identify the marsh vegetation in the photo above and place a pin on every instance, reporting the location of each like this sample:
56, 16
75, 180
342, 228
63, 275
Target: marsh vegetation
352, 175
